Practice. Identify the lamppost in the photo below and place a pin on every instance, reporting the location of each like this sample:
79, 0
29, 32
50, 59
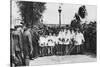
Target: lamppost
59, 10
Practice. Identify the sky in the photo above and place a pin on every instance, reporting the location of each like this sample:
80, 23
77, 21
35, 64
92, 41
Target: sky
51, 15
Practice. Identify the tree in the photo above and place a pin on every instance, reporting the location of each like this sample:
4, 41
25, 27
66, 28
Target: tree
76, 22
82, 12
31, 12
90, 34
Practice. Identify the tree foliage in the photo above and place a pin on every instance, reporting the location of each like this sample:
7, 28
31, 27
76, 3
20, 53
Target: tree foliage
76, 22
31, 12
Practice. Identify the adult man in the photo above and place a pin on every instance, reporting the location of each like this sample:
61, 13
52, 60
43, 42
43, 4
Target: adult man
79, 39
27, 45
43, 44
51, 43
17, 46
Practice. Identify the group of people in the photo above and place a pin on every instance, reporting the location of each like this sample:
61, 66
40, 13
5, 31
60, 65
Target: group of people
62, 43
26, 43
21, 45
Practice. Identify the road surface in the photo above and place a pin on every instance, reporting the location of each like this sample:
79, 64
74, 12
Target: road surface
62, 59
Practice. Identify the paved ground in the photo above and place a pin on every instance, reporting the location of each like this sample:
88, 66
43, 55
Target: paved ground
62, 59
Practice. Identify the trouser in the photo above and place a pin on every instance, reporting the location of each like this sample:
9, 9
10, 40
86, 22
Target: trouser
27, 54
66, 49
54, 50
42, 51
26, 58
48, 47
18, 59
46, 50
61, 49
58, 49
12, 61
79, 49
51, 50
35, 51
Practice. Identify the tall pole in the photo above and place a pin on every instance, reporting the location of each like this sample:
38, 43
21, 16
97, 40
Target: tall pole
59, 10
